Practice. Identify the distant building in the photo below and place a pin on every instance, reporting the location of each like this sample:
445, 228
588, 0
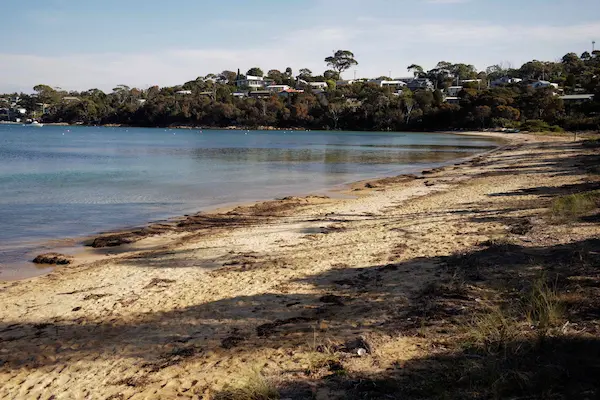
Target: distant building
184, 92
277, 88
70, 99
395, 84
452, 100
463, 81
577, 98
252, 82
543, 84
21, 111
420, 84
453, 91
260, 93
141, 101
289, 92
505, 80
347, 82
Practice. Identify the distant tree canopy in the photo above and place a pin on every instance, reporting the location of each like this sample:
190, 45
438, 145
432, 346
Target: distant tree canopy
255, 71
341, 61
360, 106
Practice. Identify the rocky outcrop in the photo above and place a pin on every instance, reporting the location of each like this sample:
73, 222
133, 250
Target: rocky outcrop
53, 259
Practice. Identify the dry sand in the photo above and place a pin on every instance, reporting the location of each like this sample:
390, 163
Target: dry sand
185, 312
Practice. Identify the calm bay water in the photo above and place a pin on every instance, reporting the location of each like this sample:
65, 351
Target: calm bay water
58, 182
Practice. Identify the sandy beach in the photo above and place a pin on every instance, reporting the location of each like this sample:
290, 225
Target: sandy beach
189, 307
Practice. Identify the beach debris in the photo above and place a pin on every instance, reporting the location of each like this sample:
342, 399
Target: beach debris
53, 259
358, 346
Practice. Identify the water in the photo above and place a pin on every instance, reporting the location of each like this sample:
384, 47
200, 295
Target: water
59, 182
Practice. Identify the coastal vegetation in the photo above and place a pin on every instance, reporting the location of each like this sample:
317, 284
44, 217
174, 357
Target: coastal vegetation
218, 100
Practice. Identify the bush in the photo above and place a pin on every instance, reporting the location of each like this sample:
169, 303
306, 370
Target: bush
535, 125
572, 207
252, 386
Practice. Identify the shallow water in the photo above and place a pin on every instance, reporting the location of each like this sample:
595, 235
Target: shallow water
58, 182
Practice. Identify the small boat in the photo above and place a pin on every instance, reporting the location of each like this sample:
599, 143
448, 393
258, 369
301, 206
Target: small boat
36, 124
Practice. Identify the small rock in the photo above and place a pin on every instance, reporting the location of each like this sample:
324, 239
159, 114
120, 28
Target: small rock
53, 259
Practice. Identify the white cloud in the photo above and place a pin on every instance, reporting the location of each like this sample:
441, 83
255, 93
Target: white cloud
380, 45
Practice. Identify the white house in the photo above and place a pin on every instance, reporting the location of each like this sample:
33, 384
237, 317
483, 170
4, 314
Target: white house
318, 85
398, 85
453, 91
185, 92
505, 80
252, 82
277, 88
543, 84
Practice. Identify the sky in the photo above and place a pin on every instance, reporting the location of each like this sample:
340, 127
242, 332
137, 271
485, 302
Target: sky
83, 44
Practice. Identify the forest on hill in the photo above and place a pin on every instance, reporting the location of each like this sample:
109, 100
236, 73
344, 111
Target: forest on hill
500, 96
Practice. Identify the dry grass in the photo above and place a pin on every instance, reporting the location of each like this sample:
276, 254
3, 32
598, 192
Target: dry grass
544, 309
572, 207
250, 386
495, 329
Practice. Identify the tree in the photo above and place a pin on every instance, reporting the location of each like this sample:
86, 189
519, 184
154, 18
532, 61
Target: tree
305, 74
228, 77
331, 74
482, 113
417, 70
276, 75
46, 94
255, 71
341, 61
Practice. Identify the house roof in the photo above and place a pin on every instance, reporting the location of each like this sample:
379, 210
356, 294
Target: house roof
577, 97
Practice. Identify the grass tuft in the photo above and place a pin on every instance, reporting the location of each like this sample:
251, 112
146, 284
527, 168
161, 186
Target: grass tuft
572, 207
544, 310
252, 386
494, 330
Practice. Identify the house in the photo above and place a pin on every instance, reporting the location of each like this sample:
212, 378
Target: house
239, 94
184, 92
463, 81
141, 101
505, 80
289, 92
21, 111
315, 86
577, 98
318, 85
452, 100
391, 84
277, 88
251, 82
453, 91
70, 99
543, 84
260, 93
346, 82
419, 84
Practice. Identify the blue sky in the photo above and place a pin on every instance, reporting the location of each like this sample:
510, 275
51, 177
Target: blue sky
81, 44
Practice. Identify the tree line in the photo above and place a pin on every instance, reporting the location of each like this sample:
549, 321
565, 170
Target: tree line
359, 106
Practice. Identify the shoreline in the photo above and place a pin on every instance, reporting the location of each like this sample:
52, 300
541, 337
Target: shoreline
79, 247
271, 285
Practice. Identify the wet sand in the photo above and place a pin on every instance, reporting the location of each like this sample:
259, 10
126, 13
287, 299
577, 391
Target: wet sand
191, 305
